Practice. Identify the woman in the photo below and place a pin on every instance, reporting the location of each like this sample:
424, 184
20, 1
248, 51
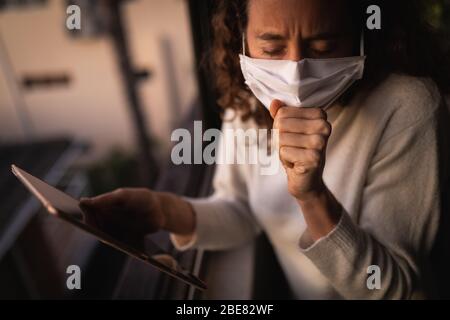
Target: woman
360, 181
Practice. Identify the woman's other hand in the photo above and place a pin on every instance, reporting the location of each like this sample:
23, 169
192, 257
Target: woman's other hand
131, 213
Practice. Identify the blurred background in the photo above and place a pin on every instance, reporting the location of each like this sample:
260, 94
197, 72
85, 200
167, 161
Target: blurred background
91, 110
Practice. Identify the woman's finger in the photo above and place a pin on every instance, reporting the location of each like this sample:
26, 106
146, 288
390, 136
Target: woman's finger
110, 199
302, 113
295, 125
308, 158
298, 140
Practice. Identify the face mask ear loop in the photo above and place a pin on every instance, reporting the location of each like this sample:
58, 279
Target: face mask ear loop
244, 63
361, 44
243, 44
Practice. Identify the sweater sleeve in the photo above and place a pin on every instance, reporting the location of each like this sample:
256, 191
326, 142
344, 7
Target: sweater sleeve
397, 222
223, 220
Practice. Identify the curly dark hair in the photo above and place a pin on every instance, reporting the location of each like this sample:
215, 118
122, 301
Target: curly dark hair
406, 44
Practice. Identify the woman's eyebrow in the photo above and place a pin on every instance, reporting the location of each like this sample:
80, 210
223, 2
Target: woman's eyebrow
323, 36
270, 36
267, 36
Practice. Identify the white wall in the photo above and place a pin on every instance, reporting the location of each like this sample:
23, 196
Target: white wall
94, 107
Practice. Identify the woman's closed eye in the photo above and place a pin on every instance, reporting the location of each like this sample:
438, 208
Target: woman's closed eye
273, 51
319, 48
314, 49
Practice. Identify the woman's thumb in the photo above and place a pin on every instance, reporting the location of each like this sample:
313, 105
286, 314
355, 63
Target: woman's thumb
274, 107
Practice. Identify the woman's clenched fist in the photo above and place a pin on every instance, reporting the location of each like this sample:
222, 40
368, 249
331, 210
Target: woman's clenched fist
303, 138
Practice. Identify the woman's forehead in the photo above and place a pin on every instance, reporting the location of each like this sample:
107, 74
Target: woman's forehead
307, 17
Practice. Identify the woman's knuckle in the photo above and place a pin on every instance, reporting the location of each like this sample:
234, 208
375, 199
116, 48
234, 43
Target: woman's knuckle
328, 128
317, 113
314, 156
121, 193
318, 142
323, 127
282, 112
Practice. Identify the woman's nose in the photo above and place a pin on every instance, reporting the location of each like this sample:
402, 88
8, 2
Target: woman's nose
294, 53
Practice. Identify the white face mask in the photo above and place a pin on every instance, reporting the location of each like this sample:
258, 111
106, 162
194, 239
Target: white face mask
306, 83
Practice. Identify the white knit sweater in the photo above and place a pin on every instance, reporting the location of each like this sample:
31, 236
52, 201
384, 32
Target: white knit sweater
381, 165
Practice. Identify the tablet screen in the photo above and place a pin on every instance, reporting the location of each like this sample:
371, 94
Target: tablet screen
67, 208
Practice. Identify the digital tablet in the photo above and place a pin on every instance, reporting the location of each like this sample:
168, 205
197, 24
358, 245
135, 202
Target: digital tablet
67, 208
